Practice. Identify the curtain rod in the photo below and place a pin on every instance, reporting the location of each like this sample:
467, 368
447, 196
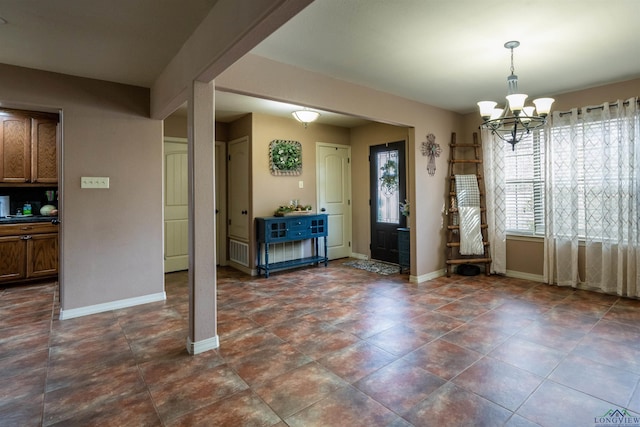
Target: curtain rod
589, 109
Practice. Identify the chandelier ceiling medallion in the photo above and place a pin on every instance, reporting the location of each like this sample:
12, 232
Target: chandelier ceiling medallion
515, 120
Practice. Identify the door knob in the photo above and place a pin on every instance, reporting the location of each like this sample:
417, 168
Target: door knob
323, 210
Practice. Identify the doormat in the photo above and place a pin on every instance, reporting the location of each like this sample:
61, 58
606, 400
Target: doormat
374, 266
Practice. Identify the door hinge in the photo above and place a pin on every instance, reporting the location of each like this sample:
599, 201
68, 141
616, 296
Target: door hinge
229, 221
349, 244
348, 160
369, 202
349, 202
229, 157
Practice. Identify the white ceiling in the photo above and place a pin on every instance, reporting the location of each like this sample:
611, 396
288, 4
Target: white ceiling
444, 53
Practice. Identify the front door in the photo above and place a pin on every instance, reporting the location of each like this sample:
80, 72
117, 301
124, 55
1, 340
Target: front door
388, 186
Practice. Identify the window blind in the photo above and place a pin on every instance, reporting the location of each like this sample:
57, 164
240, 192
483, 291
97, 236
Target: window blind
524, 185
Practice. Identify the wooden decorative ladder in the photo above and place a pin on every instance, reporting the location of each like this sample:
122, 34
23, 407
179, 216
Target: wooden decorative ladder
465, 166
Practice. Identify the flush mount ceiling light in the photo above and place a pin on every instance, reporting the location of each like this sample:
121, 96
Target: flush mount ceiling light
305, 116
515, 120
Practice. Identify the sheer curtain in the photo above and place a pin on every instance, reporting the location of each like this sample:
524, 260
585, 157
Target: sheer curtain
495, 198
591, 195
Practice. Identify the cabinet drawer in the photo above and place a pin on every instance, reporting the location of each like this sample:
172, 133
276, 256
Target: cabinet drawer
298, 233
27, 228
298, 224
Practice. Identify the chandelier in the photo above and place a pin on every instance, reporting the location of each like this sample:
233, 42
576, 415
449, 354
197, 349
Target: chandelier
515, 120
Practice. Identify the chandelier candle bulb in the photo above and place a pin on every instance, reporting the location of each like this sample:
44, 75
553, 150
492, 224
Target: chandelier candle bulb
496, 113
487, 108
543, 105
528, 112
516, 102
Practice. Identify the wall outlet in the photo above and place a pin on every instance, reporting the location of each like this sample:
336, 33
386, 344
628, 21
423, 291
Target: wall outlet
94, 182
300, 184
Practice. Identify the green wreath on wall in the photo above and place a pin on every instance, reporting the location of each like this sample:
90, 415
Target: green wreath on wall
285, 157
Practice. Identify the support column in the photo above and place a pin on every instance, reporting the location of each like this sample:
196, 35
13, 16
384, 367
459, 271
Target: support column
202, 257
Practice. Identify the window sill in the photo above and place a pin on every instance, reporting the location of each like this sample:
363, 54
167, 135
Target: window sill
524, 238
537, 239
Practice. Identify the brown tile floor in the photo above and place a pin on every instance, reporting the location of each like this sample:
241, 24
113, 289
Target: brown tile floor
329, 346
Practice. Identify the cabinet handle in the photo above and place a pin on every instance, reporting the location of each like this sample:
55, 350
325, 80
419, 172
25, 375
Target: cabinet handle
26, 228
27, 237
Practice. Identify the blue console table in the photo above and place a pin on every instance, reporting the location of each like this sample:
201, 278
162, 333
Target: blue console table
279, 229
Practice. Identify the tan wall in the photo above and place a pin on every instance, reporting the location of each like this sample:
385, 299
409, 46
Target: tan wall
176, 126
270, 191
111, 240
526, 256
362, 138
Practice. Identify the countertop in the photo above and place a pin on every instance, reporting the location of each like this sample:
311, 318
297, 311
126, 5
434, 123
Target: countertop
21, 219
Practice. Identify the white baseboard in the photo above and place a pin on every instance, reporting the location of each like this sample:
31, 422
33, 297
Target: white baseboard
113, 305
427, 277
525, 276
202, 346
358, 256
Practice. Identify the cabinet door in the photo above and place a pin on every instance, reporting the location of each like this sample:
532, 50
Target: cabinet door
15, 149
13, 253
42, 255
44, 160
318, 226
277, 231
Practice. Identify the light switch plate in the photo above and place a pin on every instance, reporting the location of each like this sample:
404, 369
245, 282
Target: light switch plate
94, 182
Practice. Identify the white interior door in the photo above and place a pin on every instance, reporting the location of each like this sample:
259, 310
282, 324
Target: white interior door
239, 189
333, 177
176, 232
221, 203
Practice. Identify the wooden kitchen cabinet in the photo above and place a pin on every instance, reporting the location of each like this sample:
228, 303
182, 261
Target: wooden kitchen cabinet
15, 148
44, 158
13, 258
28, 147
28, 251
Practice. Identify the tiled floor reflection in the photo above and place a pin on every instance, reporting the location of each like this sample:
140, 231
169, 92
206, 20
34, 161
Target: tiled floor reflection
325, 347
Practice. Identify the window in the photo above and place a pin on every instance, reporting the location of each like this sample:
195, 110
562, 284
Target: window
388, 198
524, 185
586, 172
587, 160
